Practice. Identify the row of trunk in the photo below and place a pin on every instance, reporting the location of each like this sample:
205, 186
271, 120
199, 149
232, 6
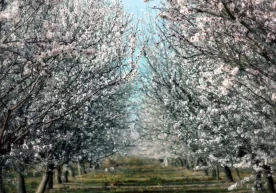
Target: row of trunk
62, 176
190, 164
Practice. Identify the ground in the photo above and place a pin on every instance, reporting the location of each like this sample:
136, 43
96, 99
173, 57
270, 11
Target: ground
144, 178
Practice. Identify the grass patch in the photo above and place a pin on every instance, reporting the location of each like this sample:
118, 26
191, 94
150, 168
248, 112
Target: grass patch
140, 178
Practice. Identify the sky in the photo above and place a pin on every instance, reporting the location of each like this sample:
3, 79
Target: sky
144, 11
137, 7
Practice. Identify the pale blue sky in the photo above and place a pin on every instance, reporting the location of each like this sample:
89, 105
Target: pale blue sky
136, 6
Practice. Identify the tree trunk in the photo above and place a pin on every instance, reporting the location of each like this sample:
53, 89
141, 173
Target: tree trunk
214, 173
2, 187
188, 164
258, 180
50, 183
81, 168
204, 163
42, 186
177, 162
238, 173
166, 162
228, 174
58, 175
71, 171
217, 169
269, 178
45, 179
20, 182
65, 176
97, 166
183, 163
197, 161
206, 172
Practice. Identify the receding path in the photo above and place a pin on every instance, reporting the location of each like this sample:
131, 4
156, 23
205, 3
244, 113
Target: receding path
151, 180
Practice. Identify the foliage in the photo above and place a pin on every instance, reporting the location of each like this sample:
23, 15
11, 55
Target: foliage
211, 82
65, 73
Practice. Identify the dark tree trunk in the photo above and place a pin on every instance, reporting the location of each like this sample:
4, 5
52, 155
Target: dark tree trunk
269, 178
71, 171
188, 164
258, 181
206, 172
97, 166
238, 173
65, 176
175, 162
42, 186
214, 173
228, 174
58, 175
197, 162
184, 162
80, 169
179, 162
2, 187
21, 182
191, 163
204, 163
217, 169
66, 170
45, 179
50, 183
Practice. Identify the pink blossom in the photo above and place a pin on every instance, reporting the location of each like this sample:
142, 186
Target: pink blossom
223, 90
166, 16
228, 83
11, 12
234, 71
182, 3
89, 52
177, 125
49, 35
232, 6
220, 6
273, 97
46, 24
195, 38
273, 5
256, 2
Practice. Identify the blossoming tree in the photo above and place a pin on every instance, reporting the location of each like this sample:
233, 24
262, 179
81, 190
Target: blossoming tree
57, 58
226, 52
